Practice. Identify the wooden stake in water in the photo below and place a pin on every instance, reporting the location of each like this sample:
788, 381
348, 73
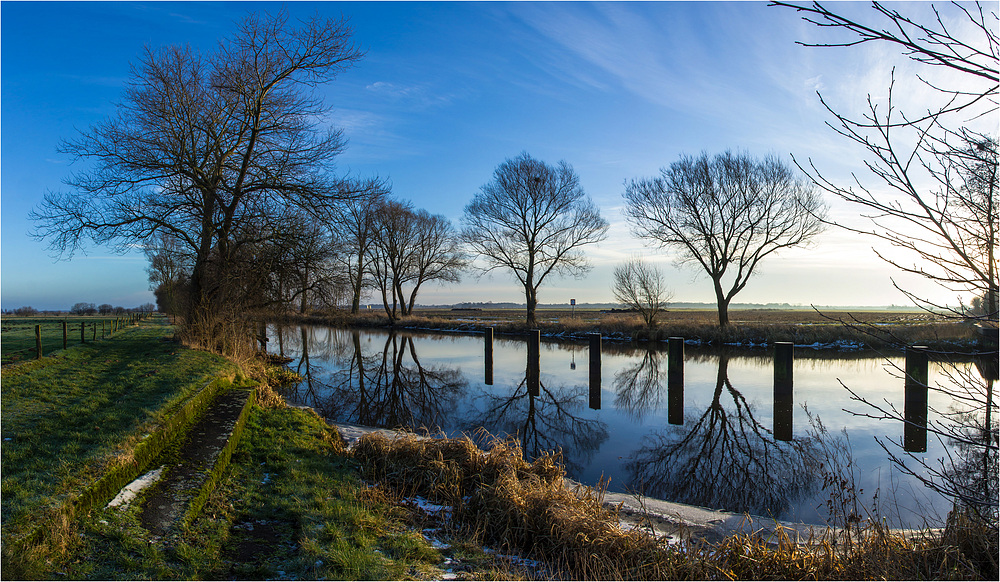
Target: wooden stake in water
675, 380
783, 390
915, 400
595, 371
488, 356
534, 371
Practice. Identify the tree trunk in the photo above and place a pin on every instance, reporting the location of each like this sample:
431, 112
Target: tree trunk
305, 292
532, 300
723, 302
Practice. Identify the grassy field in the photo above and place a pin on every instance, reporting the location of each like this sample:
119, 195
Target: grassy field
67, 417
17, 334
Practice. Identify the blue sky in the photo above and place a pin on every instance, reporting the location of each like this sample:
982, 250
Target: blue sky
446, 92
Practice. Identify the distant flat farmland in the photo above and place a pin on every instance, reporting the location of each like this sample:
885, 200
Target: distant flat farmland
686, 316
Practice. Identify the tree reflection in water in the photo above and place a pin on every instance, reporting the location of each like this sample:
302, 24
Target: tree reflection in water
639, 388
724, 458
550, 421
386, 388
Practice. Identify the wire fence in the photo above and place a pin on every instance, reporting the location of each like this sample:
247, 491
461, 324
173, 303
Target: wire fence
31, 338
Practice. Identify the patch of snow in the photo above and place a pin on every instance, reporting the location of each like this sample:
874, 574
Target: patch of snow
126, 495
428, 506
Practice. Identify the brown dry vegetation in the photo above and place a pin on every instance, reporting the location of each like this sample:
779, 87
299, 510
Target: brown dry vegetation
874, 329
499, 499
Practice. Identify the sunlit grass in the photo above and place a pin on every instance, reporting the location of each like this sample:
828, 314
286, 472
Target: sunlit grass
292, 506
68, 416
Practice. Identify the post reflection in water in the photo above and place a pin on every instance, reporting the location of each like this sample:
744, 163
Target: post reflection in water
724, 458
542, 419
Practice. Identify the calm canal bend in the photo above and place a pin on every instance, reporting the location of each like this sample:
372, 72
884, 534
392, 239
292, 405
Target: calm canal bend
711, 442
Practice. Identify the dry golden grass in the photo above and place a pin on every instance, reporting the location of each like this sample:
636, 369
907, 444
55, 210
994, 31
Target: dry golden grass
499, 499
873, 329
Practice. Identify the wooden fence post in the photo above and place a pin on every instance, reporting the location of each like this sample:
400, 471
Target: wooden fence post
94, 328
83, 338
65, 335
38, 342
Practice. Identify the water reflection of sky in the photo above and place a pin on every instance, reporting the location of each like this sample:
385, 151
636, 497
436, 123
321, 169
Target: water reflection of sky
724, 454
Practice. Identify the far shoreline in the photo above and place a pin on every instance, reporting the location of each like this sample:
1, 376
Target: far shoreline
751, 328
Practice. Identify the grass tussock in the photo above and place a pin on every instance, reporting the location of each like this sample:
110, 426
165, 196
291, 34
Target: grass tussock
499, 499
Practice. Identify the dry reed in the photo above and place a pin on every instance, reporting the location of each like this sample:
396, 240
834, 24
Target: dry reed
499, 499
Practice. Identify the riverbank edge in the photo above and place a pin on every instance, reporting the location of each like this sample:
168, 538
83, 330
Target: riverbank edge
944, 337
661, 517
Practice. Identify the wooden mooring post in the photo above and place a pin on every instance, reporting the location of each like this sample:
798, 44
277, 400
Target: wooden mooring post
783, 390
675, 380
915, 400
534, 372
488, 355
595, 371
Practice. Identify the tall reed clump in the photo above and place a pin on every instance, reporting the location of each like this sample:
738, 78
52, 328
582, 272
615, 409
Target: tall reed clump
499, 499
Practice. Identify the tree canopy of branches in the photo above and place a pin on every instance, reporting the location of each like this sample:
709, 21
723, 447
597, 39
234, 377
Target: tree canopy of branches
532, 220
641, 287
941, 172
725, 214
215, 150
410, 247
354, 226
934, 196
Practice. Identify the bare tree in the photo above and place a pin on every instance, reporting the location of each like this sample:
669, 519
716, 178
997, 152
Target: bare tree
409, 248
641, 287
725, 214
354, 226
436, 254
83, 308
531, 220
934, 197
394, 237
209, 148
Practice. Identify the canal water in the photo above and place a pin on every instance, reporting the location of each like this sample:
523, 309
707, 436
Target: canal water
720, 440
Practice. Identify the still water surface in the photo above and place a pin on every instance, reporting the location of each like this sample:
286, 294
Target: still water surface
712, 444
